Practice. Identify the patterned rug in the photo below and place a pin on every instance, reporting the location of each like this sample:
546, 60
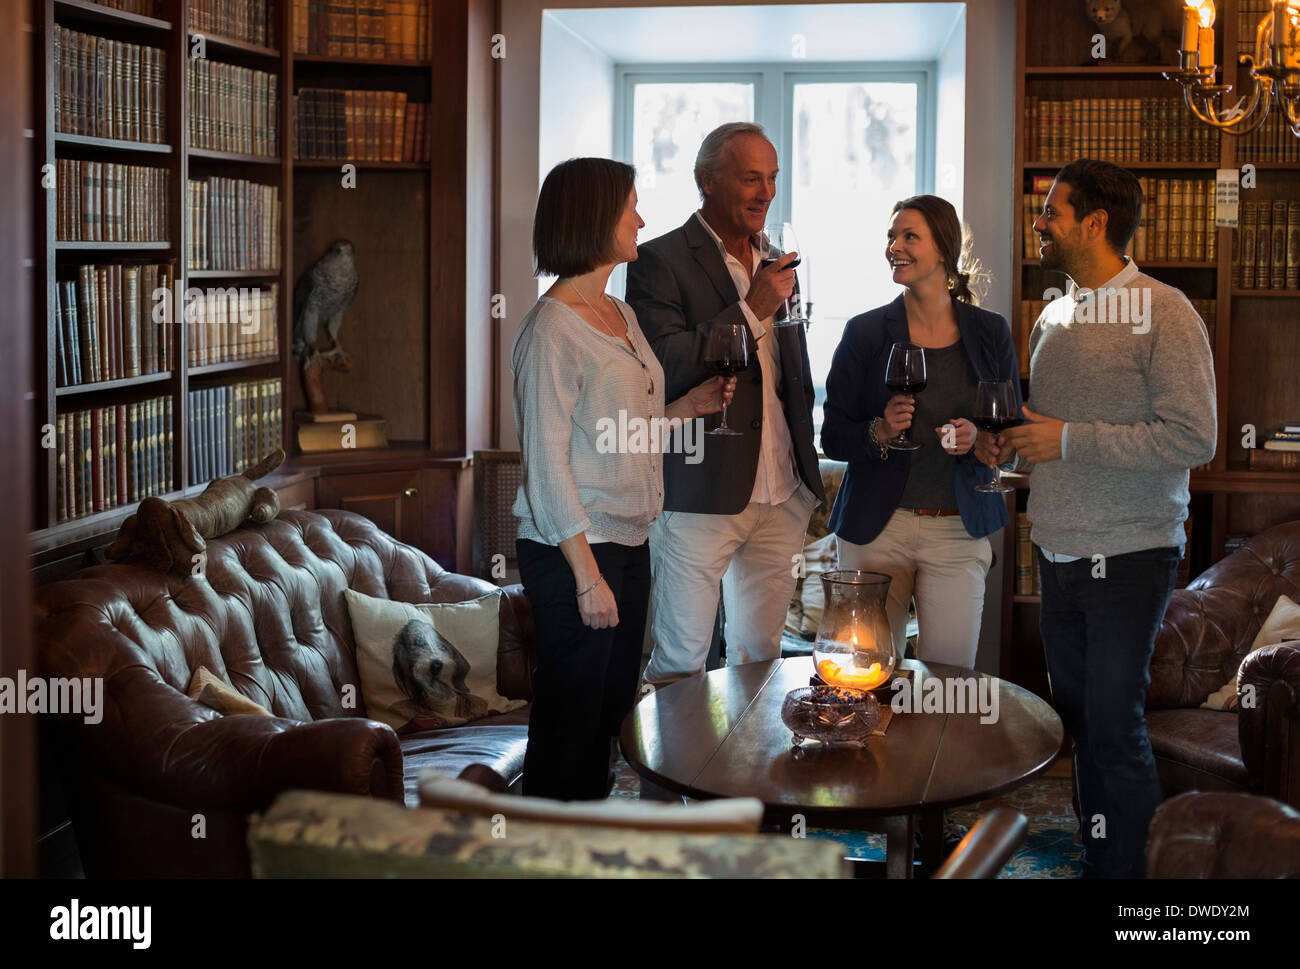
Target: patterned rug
1050, 850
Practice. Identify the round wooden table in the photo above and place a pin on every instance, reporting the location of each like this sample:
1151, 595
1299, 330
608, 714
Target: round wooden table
721, 735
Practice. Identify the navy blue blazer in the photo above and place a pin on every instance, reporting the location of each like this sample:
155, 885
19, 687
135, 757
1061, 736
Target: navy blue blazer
856, 393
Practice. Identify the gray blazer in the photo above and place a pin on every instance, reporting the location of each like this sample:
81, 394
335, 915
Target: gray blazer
678, 285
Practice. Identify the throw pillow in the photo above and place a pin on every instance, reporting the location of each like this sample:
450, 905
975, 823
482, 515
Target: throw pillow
733, 815
428, 665
819, 556
1282, 623
212, 691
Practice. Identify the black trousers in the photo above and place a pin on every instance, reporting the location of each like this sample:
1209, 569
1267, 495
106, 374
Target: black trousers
1098, 634
584, 684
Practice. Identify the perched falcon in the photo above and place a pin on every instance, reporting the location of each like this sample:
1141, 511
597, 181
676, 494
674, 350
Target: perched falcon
323, 293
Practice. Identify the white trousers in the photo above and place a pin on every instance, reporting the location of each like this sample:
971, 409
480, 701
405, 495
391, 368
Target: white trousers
754, 554
935, 561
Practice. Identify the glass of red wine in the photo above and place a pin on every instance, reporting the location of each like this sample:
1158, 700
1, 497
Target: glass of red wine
905, 374
995, 411
727, 353
775, 241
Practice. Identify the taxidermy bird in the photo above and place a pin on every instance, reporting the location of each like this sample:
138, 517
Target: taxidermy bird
323, 293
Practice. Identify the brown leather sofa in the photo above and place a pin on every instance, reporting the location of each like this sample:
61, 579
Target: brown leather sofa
270, 618
1224, 836
1208, 629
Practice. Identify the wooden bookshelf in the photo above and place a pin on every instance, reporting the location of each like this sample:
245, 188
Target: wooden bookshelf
1257, 333
398, 215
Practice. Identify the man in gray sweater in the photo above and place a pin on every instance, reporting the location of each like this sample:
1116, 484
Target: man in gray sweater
1123, 404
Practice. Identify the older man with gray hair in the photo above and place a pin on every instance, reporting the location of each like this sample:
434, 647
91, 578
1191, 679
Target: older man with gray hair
738, 516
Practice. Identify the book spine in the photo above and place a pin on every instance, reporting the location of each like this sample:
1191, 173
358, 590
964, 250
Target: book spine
1292, 280
96, 459
1263, 244
122, 454
1249, 217
61, 484
1278, 247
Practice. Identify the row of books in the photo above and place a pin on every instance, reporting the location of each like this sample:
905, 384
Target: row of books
1266, 246
379, 29
232, 324
359, 126
234, 224
113, 456
252, 21
105, 326
108, 89
1273, 142
1249, 14
1177, 223
1122, 130
1279, 452
110, 202
233, 108
233, 426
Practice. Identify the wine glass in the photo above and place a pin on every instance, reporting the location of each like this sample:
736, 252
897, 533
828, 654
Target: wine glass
995, 411
905, 374
773, 242
727, 353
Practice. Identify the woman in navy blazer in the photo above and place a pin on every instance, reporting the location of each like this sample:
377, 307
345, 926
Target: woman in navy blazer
915, 515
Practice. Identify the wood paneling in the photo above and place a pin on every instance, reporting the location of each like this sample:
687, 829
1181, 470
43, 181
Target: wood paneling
386, 329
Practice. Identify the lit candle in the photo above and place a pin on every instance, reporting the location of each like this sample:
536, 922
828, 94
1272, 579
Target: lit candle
1191, 25
1206, 56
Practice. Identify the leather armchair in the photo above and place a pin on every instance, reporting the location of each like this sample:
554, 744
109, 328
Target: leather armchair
1224, 836
163, 785
1207, 631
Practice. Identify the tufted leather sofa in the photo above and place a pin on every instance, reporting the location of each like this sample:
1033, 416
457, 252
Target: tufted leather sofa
1207, 630
1223, 836
270, 618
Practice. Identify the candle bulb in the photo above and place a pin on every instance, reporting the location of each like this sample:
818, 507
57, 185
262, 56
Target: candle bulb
1191, 27
1205, 58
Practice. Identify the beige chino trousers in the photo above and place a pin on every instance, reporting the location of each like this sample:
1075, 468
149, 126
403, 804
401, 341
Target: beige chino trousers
937, 563
755, 555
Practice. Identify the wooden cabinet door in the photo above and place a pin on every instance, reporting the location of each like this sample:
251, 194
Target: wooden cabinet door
390, 499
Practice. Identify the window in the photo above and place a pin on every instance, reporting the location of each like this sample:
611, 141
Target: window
852, 140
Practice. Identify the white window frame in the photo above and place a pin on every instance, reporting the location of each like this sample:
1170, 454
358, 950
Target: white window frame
773, 96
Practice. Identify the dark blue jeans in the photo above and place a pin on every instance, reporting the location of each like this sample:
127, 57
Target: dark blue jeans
1098, 634
585, 680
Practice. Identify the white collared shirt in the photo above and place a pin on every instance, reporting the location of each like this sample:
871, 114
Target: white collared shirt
775, 479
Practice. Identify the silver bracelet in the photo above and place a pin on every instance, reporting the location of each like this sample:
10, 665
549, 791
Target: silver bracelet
599, 580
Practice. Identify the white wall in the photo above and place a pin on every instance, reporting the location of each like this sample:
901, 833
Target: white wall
950, 138
576, 98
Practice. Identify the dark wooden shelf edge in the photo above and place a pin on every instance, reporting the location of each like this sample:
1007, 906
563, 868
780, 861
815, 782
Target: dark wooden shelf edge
86, 10
1147, 264
1101, 70
77, 390
1267, 293
210, 154
1027, 600
232, 274
1136, 166
231, 43
228, 365
326, 164
90, 141
1240, 481
363, 61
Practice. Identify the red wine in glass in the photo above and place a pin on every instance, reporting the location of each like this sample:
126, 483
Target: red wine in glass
727, 353
905, 374
995, 411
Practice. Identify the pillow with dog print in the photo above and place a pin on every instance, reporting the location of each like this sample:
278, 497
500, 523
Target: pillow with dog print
428, 665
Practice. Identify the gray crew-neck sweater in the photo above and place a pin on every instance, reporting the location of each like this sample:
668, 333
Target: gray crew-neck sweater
1128, 367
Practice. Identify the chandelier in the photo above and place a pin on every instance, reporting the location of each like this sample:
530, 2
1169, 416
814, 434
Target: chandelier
1274, 69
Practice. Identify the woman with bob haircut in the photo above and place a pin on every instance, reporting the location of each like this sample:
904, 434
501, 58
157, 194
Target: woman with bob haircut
582, 370
914, 515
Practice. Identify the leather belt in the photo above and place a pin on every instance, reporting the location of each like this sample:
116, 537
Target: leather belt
935, 512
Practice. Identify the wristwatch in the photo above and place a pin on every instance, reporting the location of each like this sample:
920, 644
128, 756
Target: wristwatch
875, 439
